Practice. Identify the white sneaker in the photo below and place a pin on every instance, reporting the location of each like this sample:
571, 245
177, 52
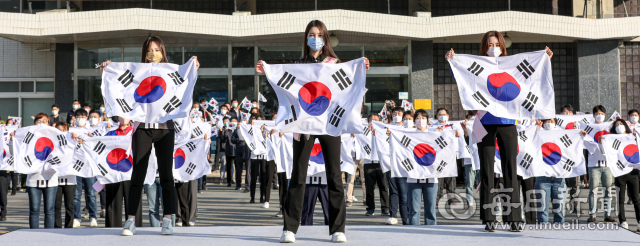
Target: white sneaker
94, 223
266, 205
167, 229
624, 225
287, 237
339, 237
179, 223
76, 223
129, 228
392, 221
191, 223
355, 199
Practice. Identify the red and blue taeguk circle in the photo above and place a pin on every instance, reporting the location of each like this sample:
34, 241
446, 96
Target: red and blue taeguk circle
314, 98
150, 90
118, 160
424, 154
551, 153
631, 153
44, 147
503, 86
178, 158
316, 154
599, 134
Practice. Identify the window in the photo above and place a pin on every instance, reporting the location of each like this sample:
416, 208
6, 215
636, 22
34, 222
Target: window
89, 90
382, 88
208, 57
211, 86
242, 57
271, 106
629, 77
385, 56
280, 55
347, 53
88, 57
243, 87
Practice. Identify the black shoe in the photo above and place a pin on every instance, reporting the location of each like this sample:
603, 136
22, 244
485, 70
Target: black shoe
102, 214
610, 219
369, 213
13, 194
490, 226
3, 219
279, 214
591, 219
385, 212
517, 227
237, 188
252, 201
199, 191
204, 187
261, 200
229, 185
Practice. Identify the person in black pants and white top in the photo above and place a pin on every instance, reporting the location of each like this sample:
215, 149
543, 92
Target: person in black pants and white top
66, 190
374, 175
161, 136
317, 50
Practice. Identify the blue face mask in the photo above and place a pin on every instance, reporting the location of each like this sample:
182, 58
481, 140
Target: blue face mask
315, 44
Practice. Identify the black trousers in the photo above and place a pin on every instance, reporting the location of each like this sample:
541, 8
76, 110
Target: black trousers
68, 192
253, 173
313, 192
267, 170
295, 198
229, 167
238, 165
103, 199
115, 193
507, 137
162, 140
446, 186
4, 190
185, 205
624, 182
14, 182
374, 175
283, 190
527, 185
193, 200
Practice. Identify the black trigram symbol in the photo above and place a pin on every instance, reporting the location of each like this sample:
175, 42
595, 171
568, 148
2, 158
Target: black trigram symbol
176, 127
337, 115
480, 99
27, 161
441, 143
366, 131
96, 133
62, 140
126, 78
103, 170
341, 79
367, 149
191, 146
54, 161
172, 104
99, 147
559, 121
190, 168
286, 81
620, 165
441, 166
568, 165
405, 141
124, 105
251, 131
475, 69
176, 78
264, 143
387, 139
197, 131
28, 137
10, 161
588, 129
253, 147
616, 144
79, 164
523, 136
293, 118
585, 120
78, 146
566, 141
407, 164
526, 161
530, 102
525, 69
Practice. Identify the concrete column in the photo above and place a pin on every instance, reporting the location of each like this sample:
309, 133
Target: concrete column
63, 79
598, 75
421, 71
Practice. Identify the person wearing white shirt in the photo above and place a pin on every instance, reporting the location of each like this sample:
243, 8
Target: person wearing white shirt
469, 174
634, 117
66, 190
374, 175
573, 189
398, 186
81, 130
599, 173
627, 181
442, 116
550, 189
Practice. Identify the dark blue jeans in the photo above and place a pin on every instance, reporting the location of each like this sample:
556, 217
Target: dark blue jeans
398, 198
35, 197
89, 196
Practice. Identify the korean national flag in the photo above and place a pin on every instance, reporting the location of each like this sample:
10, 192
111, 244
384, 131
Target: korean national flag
286, 154
40, 148
381, 144
514, 87
317, 157
346, 161
319, 98
594, 132
559, 154
527, 150
149, 92
422, 155
182, 128
109, 157
621, 149
190, 160
570, 122
253, 138
7, 158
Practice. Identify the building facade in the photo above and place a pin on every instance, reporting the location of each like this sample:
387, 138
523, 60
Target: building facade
49, 49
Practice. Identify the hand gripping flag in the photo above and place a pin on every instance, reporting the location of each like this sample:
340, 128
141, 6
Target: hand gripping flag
261, 97
527, 150
514, 87
570, 122
381, 144
621, 149
183, 128
422, 155
594, 132
40, 148
149, 92
190, 160
559, 154
200, 128
246, 104
318, 98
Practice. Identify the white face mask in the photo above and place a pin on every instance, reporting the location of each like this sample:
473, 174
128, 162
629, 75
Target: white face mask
620, 129
234, 105
443, 118
81, 121
397, 119
421, 123
75, 106
633, 119
408, 124
223, 112
494, 51
93, 121
254, 105
549, 126
54, 112
102, 109
599, 118
43, 124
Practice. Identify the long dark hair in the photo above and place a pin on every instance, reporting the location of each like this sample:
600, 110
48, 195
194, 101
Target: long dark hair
484, 44
327, 50
615, 131
147, 43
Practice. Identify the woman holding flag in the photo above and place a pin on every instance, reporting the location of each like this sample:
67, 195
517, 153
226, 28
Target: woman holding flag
504, 132
317, 49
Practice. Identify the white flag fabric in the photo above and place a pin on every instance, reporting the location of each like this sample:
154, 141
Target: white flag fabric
15, 121
195, 114
7, 159
253, 138
381, 144
286, 154
200, 128
422, 155
213, 102
463, 149
261, 97
621, 149
316, 159
183, 128
594, 132
149, 92
190, 160
406, 105
103, 128
614, 116
527, 149
513, 87
568, 122
319, 98
110, 157
346, 161
365, 143
383, 113
559, 154
246, 104
79, 165
40, 148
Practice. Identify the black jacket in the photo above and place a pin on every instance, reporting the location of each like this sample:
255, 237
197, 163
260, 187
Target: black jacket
230, 149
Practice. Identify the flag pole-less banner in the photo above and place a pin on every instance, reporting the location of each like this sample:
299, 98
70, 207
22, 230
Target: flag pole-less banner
420, 155
621, 149
319, 98
559, 154
40, 148
149, 92
514, 87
